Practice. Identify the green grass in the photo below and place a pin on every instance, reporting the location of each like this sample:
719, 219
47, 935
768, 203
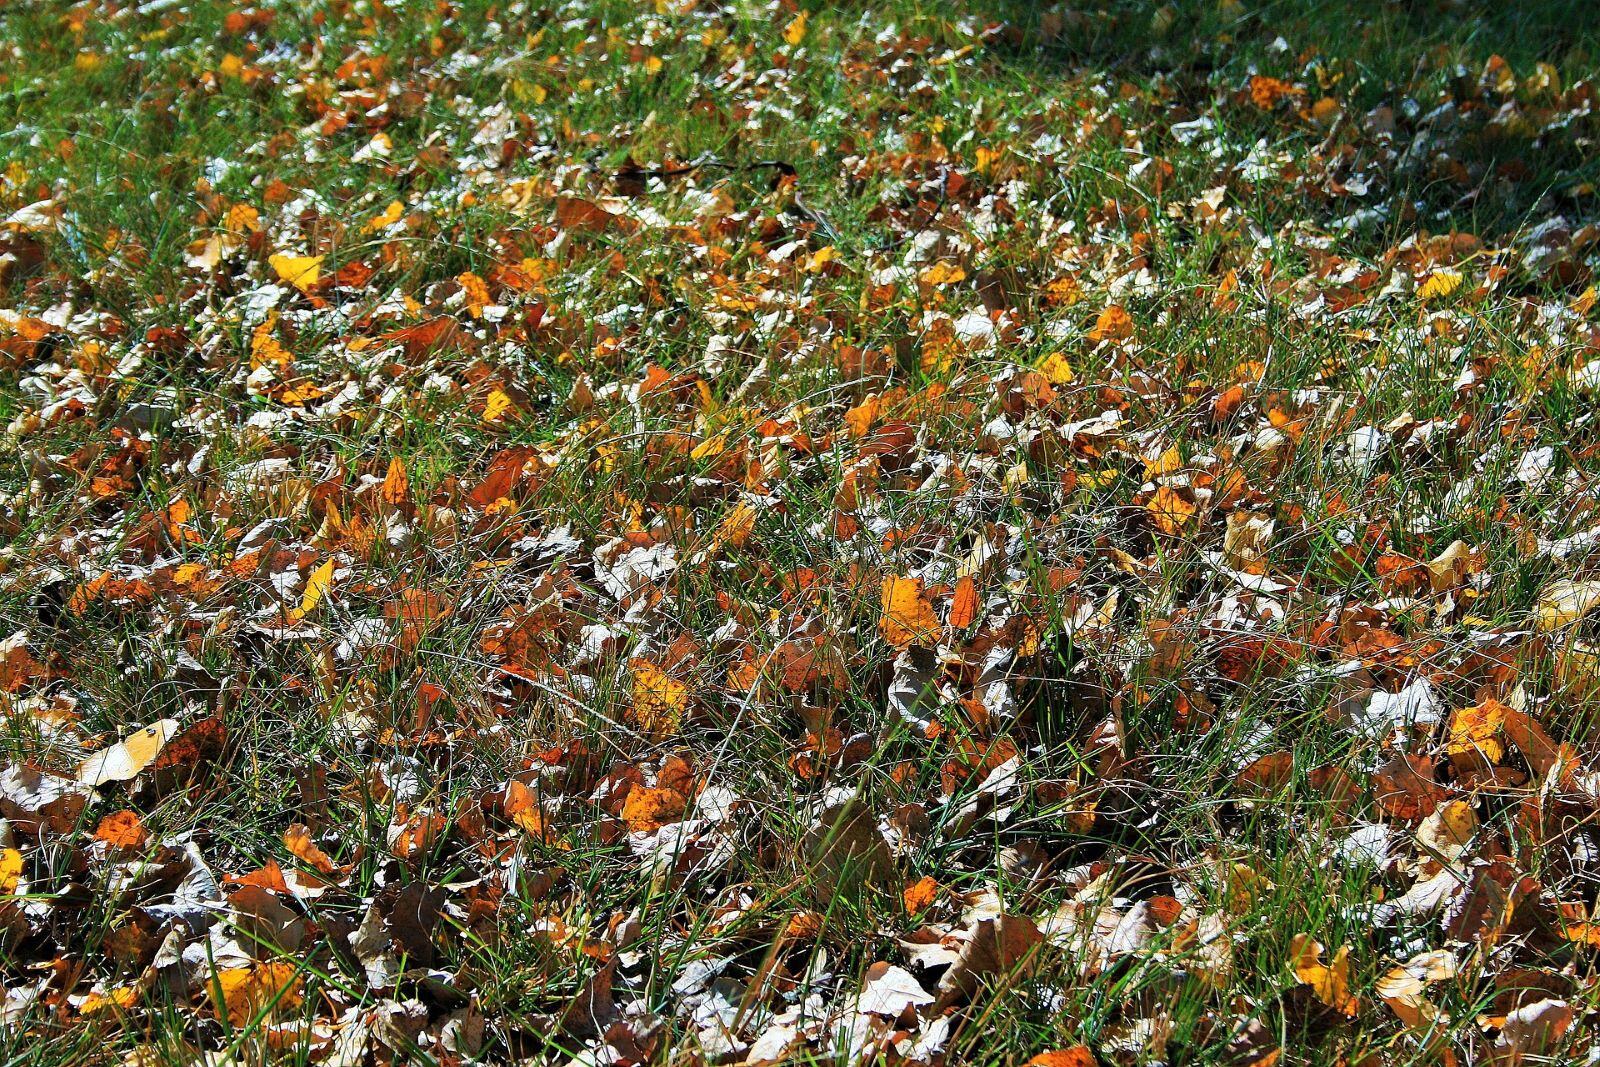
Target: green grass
709, 361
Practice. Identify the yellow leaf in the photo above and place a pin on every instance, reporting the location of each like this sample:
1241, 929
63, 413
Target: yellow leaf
388, 217
10, 870
317, 587
908, 617
1331, 981
120, 999
246, 991
1477, 729
127, 757
477, 293
714, 445
1566, 602
1170, 511
498, 406
820, 258
737, 527
1056, 368
942, 274
795, 32
659, 700
1440, 283
302, 272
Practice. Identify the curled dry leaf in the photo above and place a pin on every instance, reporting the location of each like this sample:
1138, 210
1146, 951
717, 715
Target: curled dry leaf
1565, 602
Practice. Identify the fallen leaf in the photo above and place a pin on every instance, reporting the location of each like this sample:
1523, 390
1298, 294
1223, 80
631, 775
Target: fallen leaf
659, 700
1112, 324
302, 272
1565, 602
247, 991
297, 839
908, 617
1331, 981
650, 808
317, 586
964, 606
122, 829
125, 759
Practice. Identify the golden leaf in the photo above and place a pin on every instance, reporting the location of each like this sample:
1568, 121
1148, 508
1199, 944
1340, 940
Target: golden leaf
10, 870
498, 406
1477, 729
650, 808
1440, 283
388, 217
908, 616
1113, 324
247, 991
317, 587
302, 272
1170, 511
1331, 981
659, 700
795, 32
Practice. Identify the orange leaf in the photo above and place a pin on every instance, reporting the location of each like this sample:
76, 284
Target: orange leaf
1170, 511
396, 485
964, 609
297, 839
1331, 981
908, 616
1113, 324
921, 894
121, 829
1076, 1056
649, 808
245, 991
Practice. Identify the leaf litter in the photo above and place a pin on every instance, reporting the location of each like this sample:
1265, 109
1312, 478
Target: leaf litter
1106, 570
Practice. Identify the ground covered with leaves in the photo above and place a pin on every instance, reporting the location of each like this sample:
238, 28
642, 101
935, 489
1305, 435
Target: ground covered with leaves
728, 532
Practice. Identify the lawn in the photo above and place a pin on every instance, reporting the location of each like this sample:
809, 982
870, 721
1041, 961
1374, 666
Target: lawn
930, 532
